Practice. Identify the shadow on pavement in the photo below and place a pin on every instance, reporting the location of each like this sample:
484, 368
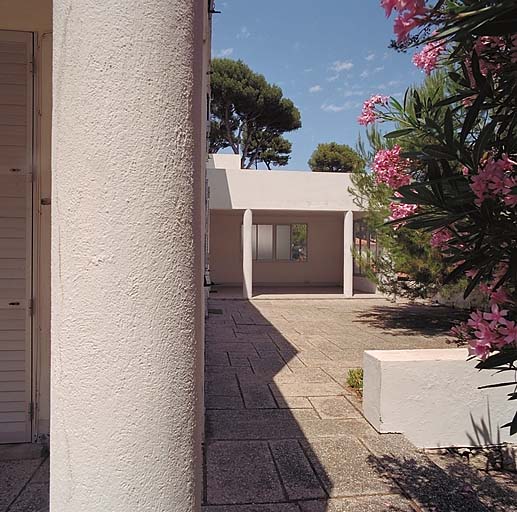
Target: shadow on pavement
412, 319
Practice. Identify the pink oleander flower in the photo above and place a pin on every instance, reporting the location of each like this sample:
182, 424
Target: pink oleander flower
476, 320
493, 181
401, 210
427, 58
368, 114
409, 14
496, 315
389, 168
509, 332
478, 349
488, 335
440, 238
499, 296
416, 6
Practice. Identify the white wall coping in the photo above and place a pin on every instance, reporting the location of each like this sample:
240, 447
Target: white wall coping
428, 354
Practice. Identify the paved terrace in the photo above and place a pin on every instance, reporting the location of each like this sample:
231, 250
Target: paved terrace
284, 434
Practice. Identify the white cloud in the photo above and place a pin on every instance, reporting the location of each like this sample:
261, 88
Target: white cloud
341, 65
243, 33
391, 83
331, 107
370, 56
307, 70
225, 52
377, 70
332, 78
315, 88
365, 74
347, 94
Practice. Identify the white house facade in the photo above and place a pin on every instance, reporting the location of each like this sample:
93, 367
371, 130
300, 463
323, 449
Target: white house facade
280, 229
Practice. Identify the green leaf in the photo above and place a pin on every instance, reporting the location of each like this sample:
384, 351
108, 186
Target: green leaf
440, 152
399, 133
396, 104
471, 117
448, 127
483, 138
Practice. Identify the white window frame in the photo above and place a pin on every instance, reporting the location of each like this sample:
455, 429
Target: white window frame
274, 244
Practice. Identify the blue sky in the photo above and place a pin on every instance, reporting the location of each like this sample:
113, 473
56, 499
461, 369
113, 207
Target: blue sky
326, 55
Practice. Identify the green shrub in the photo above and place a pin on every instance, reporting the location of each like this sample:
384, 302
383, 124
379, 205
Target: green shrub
355, 379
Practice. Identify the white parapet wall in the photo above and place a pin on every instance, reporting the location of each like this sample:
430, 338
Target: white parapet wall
433, 397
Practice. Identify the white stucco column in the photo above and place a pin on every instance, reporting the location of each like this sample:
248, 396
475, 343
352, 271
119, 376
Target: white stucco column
126, 256
348, 260
247, 255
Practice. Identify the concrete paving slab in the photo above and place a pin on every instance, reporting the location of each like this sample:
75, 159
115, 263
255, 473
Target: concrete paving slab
257, 396
258, 424
392, 503
221, 384
241, 472
42, 475
334, 407
15, 474
224, 402
307, 389
299, 479
345, 468
269, 507
34, 498
293, 402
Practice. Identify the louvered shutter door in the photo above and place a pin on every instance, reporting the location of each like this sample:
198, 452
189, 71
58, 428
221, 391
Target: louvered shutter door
16, 124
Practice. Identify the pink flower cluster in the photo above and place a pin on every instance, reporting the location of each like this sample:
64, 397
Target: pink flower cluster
427, 58
491, 330
495, 180
390, 168
486, 332
401, 210
440, 238
408, 17
368, 114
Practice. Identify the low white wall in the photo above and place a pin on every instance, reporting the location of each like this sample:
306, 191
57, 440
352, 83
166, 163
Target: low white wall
432, 396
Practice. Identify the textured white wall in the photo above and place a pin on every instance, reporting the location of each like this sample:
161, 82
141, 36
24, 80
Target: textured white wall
233, 189
432, 396
126, 283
